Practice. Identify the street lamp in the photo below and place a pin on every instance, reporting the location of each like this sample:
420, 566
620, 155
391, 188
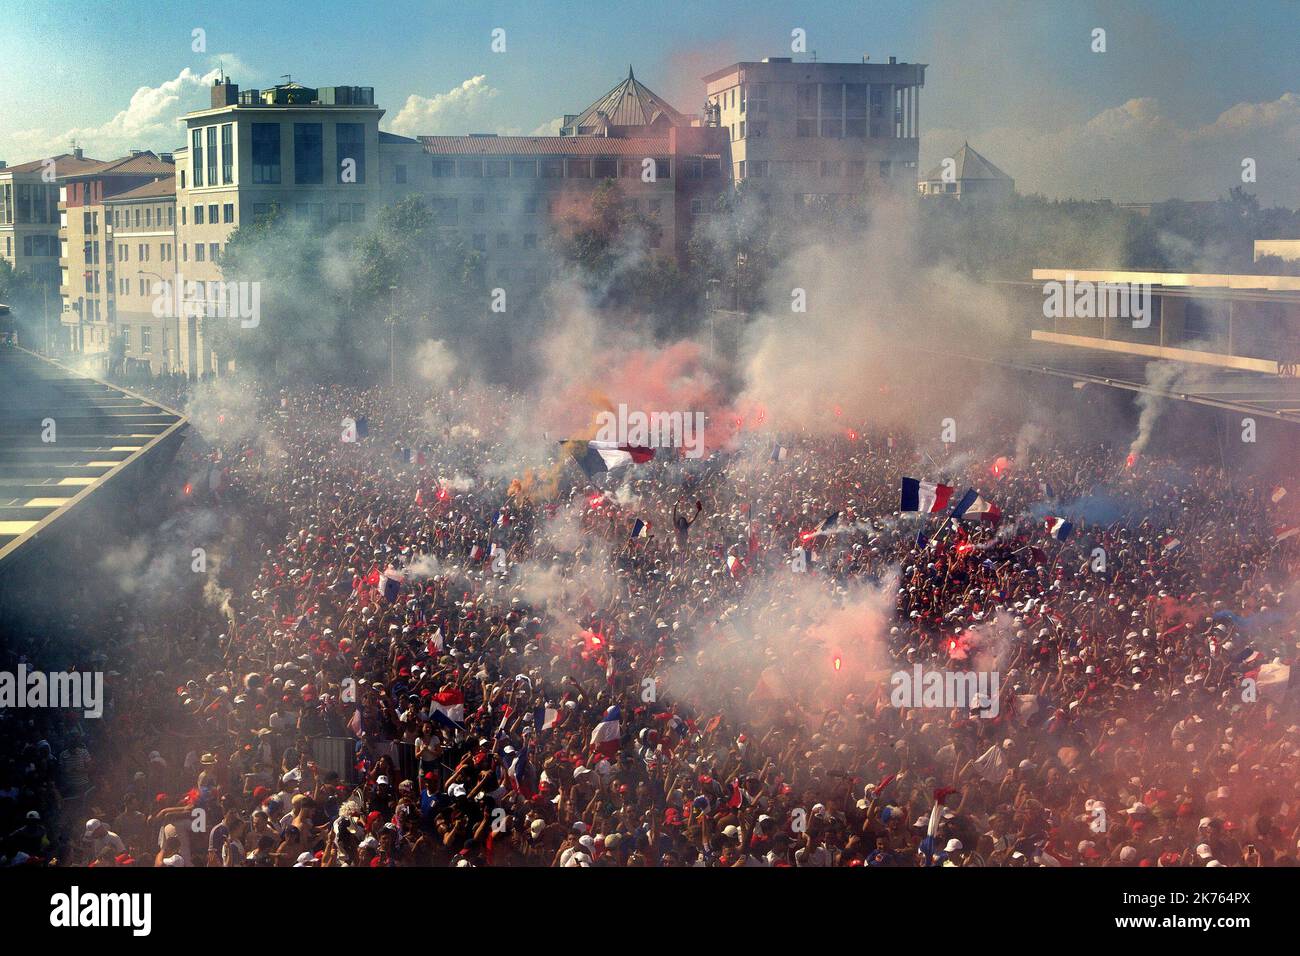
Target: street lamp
392, 326
166, 284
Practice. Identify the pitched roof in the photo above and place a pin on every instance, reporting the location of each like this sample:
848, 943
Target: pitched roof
65, 164
145, 162
544, 145
969, 165
630, 103
164, 188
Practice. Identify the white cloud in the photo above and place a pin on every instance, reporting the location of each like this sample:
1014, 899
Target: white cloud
150, 121
551, 128
460, 110
1136, 151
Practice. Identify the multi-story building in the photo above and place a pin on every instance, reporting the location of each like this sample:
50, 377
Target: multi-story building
143, 229
29, 212
506, 194
312, 153
804, 130
88, 274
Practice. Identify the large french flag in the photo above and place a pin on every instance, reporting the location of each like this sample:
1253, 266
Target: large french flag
974, 507
925, 496
608, 733
448, 708
1059, 528
595, 457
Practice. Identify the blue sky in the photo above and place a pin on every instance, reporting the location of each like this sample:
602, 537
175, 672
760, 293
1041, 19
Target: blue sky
1184, 90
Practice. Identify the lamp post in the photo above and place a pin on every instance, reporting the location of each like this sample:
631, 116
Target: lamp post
392, 327
176, 339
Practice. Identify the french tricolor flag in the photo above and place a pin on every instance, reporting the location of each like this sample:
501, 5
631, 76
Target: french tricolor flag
640, 529
608, 733
544, 718
924, 496
448, 708
974, 507
1059, 528
595, 457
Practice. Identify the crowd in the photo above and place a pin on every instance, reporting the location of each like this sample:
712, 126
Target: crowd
407, 651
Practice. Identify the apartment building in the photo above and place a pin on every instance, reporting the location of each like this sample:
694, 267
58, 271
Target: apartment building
803, 130
143, 230
29, 212
310, 152
88, 274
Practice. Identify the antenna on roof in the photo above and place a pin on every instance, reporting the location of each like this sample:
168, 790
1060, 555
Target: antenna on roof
287, 77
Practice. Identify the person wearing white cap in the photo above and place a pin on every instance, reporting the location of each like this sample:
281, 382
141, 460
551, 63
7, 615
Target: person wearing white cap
98, 837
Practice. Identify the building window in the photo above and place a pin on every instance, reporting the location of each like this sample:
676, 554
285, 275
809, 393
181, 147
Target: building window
196, 156
171, 215
497, 168
350, 142
579, 169
182, 215
606, 167
832, 167
185, 252
146, 340
148, 217
227, 153
266, 152
308, 154
198, 215
855, 110
199, 252
214, 251
697, 206
212, 155
213, 212
399, 174
758, 169
126, 336
479, 204
471, 168
480, 241
653, 206
228, 212
503, 240
523, 168
758, 98
442, 168
552, 168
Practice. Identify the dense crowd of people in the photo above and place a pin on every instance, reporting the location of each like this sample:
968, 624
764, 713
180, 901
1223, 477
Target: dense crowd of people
407, 650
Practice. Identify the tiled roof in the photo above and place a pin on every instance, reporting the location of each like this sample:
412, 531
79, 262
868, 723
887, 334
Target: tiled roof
164, 188
65, 164
145, 162
544, 145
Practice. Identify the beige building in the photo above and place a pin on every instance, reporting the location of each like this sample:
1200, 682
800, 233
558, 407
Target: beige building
807, 130
88, 274
505, 195
29, 212
143, 223
313, 153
